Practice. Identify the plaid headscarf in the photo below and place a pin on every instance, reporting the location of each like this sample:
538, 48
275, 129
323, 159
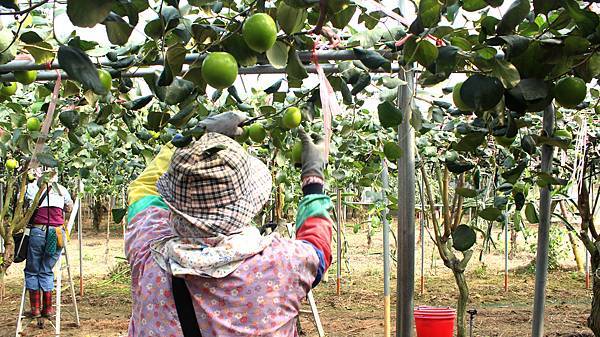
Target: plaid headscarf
214, 188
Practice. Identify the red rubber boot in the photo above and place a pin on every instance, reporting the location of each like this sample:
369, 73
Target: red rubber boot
35, 301
48, 309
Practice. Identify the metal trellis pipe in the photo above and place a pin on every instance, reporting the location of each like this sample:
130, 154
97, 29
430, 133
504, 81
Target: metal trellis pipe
406, 210
45, 75
541, 265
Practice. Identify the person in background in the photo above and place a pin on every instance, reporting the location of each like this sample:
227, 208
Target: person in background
45, 237
190, 226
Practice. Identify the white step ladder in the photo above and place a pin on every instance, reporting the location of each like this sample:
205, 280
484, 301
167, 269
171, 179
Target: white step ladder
23, 320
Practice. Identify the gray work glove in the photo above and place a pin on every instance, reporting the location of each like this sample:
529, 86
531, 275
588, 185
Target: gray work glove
226, 123
313, 157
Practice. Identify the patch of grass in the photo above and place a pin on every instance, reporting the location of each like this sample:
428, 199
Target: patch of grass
119, 274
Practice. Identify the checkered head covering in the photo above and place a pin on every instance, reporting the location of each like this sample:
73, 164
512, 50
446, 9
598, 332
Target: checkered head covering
215, 185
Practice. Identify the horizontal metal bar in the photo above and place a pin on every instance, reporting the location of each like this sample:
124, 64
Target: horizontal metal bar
322, 56
46, 75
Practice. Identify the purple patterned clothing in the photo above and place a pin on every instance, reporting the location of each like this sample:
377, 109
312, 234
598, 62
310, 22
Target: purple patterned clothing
262, 297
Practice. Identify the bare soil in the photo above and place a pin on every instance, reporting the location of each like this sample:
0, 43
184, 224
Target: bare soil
358, 311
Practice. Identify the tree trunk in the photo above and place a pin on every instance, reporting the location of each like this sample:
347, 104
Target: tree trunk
96, 213
463, 299
593, 320
513, 243
576, 254
9, 251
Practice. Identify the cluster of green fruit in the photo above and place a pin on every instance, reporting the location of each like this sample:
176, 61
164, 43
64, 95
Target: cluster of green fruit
220, 69
291, 119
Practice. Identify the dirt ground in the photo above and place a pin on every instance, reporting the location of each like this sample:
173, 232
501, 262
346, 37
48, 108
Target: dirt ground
105, 306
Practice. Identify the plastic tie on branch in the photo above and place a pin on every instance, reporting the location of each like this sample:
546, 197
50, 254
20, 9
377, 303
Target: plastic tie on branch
329, 103
48, 119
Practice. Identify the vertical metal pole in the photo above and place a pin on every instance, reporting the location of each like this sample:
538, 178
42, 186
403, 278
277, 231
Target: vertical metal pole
406, 210
505, 251
422, 237
587, 269
386, 253
338, 211
80, 235
541, 267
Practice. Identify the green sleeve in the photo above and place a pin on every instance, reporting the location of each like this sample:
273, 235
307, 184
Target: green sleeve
313, 205
143, 203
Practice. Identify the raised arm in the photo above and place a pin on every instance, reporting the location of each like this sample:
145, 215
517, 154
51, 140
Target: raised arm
313, 222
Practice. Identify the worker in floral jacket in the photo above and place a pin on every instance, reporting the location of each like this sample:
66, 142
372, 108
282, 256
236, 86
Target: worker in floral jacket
190, 225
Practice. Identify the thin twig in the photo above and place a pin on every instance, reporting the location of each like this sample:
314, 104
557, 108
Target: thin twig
27, 10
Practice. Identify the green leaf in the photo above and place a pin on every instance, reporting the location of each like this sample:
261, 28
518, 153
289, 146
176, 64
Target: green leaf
585, 20
183, 116
41, 52
177, 92
389, 115
474, 5
430, 12
364, 79
506, 72
426, 53
516, 13
466, 192
463, 238
461, 43
139, 103
482, 92
278, 55
531, 213
295, 69
545, 6
80, 68
470, 142
372, 59
157, 120
490, 213
47, 159
340, 19
290, 19
117, 29
86, 13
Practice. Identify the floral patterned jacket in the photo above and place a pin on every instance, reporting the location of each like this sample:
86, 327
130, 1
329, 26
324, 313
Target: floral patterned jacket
261, 298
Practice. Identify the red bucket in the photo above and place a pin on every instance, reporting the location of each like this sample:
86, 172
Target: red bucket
434, 321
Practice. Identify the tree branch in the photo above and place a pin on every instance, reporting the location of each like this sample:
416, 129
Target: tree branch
322, 15
27, 10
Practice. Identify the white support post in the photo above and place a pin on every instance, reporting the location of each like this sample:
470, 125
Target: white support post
406, 210
541, 265
386, 253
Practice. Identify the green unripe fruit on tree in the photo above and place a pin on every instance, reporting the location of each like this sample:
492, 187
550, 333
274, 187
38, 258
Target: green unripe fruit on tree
244, 136
8, 90
11, 164
105, 79
257, 132
291, 118
219, 70
260, 32
34, 124
25, 77
570, 91
457, 99
297, 153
